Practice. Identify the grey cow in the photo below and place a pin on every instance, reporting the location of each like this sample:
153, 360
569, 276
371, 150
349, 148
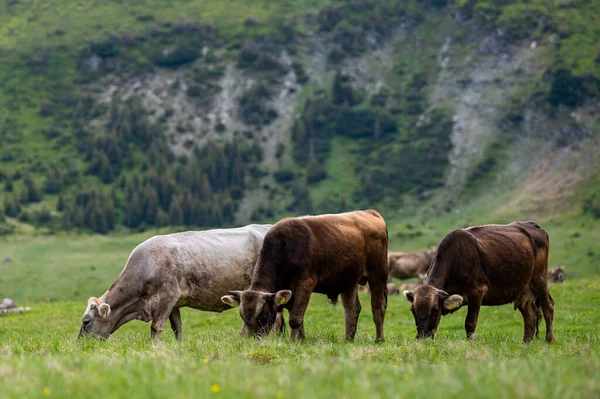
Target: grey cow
164, 273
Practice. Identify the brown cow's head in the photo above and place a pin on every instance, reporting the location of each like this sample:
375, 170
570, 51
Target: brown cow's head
258, 309
96, 322
428, 305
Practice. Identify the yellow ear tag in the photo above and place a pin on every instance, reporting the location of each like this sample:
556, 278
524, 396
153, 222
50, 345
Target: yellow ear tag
105, 313
453, 305
281, 300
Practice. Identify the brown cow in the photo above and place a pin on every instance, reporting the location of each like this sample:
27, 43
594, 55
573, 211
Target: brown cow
557, 275
327, 254
487, 265
404, 265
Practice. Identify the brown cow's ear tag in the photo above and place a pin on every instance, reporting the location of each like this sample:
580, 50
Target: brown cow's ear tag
280, 300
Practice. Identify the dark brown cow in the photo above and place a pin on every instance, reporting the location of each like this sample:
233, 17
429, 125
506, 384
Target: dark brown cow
327, 254
557, 275
404, 265
487, 265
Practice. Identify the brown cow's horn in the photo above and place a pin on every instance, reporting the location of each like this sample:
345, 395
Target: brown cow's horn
443, 294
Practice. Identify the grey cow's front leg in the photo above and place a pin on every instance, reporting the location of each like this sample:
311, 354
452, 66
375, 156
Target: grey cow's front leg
175, 319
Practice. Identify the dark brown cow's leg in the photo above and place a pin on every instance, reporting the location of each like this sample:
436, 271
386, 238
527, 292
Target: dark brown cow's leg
352, 310
175, 319
279, 325
530, 320
474, 305
540, 287
302, 297
243, 331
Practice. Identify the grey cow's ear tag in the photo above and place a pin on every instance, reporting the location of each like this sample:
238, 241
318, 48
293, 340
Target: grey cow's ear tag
231, 300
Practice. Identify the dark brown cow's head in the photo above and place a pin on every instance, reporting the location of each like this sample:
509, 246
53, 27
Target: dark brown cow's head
258, 309
428, 305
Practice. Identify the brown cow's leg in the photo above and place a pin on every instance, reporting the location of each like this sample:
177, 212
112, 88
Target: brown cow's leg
540, 287
378, 306
352, 310
530, 320
297, 312
175, 319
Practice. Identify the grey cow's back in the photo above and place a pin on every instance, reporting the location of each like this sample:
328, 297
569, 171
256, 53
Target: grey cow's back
203, 265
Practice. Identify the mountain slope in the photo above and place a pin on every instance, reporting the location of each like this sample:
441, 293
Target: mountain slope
219, 113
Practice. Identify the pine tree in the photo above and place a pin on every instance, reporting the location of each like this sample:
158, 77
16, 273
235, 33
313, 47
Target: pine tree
53, 183
343, 205
134, 211
162, 218
176, 213
151, 205
205, 190
8, 184
60, 205
33, 193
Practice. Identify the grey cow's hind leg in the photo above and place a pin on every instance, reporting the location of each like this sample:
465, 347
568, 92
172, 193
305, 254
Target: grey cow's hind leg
175, 319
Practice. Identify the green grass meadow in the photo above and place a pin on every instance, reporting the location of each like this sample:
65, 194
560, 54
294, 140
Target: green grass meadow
41, 357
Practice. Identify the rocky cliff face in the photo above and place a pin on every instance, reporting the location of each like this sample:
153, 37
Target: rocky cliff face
502, 138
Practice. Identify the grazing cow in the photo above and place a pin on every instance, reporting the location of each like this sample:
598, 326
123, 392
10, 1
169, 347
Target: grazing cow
404, 265
327, 254
412, 286
557, 275
393, 289
487, 265
165, 273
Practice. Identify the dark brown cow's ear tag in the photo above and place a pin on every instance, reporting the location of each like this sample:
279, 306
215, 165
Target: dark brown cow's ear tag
281, 300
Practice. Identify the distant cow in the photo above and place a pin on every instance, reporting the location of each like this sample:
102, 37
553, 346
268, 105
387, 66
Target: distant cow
165, 273
327, 254
394, 289
487, 265
412, 286
404, 265
557, 275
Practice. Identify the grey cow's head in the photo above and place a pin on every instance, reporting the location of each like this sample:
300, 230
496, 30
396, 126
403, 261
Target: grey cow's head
258, 309
428, 304
96, 321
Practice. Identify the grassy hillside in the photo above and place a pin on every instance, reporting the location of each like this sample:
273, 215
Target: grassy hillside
365, 129
212, 361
